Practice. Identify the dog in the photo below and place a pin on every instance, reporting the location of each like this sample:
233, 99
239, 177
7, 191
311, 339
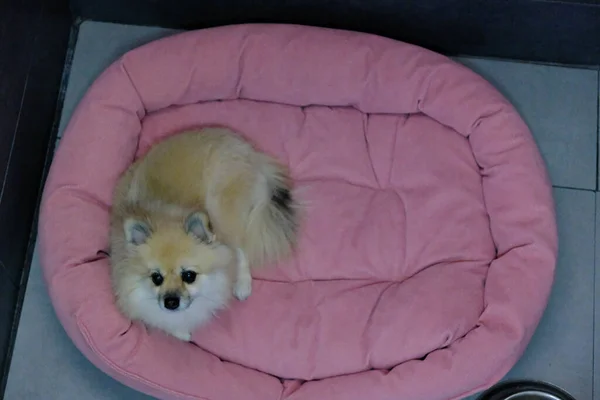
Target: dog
189, 221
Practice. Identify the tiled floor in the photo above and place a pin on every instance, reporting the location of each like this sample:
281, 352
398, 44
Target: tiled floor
561, 107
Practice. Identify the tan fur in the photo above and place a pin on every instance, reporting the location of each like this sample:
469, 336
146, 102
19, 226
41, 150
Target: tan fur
215, 172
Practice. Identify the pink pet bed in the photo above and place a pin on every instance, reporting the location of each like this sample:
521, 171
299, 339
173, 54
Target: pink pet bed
429, 244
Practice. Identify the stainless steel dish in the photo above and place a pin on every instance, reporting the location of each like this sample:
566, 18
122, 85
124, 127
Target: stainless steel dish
525, 390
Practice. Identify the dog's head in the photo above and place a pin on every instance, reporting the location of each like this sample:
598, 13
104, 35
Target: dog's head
175, 261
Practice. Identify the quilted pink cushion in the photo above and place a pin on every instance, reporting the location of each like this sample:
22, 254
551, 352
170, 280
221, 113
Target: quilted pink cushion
428, 249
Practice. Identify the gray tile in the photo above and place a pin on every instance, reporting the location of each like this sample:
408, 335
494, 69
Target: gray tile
597, 307
46, 364
98, 45
560, 106
561, 350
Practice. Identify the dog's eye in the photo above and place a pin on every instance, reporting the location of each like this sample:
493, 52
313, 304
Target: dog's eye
157, 278
188, 276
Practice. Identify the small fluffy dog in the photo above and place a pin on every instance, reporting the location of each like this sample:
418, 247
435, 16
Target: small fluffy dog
189, 220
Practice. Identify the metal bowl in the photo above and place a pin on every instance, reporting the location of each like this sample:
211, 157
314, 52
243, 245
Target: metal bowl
525, 390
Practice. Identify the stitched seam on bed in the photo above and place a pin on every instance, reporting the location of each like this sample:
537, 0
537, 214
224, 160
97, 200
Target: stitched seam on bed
133, 86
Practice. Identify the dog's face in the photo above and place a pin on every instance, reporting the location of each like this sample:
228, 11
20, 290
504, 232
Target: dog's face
176, 262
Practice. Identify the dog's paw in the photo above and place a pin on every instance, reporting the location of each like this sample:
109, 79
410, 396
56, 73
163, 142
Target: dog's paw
243, 288
185, 336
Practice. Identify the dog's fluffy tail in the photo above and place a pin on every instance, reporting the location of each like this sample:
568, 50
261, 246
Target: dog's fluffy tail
273, 221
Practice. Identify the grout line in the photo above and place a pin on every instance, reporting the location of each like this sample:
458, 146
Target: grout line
575, 188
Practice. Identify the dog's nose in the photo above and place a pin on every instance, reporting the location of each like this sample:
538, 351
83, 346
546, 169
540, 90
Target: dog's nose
171, 303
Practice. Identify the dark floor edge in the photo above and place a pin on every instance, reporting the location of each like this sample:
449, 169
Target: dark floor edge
565, 32
593, 67
574, 188
34, 227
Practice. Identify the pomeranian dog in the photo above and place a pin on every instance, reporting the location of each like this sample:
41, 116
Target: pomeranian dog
189, 220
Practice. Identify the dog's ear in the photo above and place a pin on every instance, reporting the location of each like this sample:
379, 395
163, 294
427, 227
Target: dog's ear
136, 232
197, 224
